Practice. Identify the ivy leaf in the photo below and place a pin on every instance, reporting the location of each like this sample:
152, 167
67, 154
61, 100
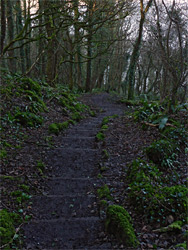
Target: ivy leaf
163, 122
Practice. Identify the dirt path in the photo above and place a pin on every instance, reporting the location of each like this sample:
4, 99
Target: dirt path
66, 215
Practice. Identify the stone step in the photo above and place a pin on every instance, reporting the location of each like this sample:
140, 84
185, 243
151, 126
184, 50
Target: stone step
66, 158
52, 207
78, 142
57, 233
71, 186
83, 132
78, 170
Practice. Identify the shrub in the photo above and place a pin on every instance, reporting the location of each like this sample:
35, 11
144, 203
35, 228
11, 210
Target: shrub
162, 152
146, 192
27, 118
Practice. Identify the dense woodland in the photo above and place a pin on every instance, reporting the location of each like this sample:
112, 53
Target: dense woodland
111, 71
133, 47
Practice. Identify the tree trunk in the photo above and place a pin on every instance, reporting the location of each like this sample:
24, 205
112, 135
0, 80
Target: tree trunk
89, 39
27, 46
3, 29
10, 26
3, 24
77, 40
19, 28
41, 42
88, 76
135, 54
51, 57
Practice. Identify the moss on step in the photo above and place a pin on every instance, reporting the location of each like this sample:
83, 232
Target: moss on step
53, 129
56, 128
118, 223
100, 136
104, 192
76, 116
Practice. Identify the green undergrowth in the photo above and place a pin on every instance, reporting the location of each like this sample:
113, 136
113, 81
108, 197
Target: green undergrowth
25, 105
8, 223
25, 101
157, 114
149, 192
149, 188
28, 105
163, 153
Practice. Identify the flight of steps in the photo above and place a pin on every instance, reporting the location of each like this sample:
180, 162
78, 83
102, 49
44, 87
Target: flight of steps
66, 215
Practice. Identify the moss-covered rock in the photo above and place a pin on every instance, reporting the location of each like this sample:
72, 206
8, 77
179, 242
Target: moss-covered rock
175, 226
118, 223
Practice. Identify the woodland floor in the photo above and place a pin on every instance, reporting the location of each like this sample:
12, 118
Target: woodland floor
65, 208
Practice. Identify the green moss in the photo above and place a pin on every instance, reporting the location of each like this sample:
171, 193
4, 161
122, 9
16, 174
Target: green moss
105, 121
92, 113
105, 154
103, 203
104, 192
8, 221
8, 177
24, 187
100, 136
104, 127
53, 129
80, 107
65, 125
3, 153
118, 223
76, 116
41, 165
181, 245
72, 122
175, 226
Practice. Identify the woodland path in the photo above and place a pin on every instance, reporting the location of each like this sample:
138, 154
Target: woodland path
66, 215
